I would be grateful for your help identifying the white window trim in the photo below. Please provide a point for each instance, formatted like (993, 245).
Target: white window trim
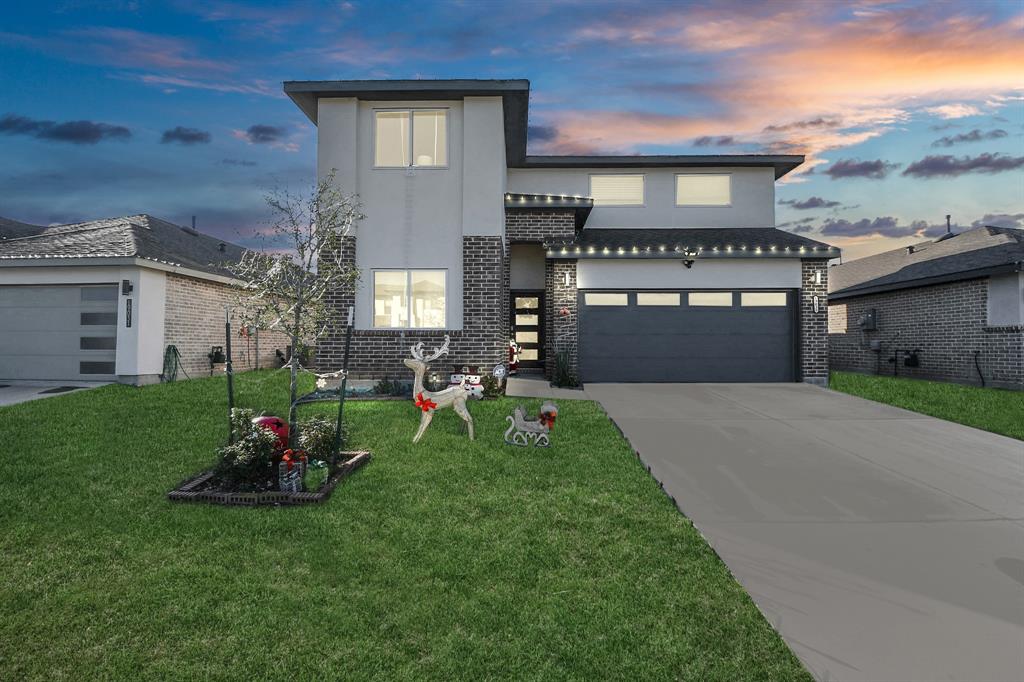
(643, 185)
(408, 296)
(412, 164)
(675, 190)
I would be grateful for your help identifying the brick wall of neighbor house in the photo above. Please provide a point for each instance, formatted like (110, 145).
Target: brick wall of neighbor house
(194, 322)
(378, 354)
(814, 359)
(562, 315)
(537, 226)
(947, 322)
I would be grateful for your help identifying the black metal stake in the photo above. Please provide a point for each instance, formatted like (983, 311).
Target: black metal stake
(227, 370)
(341, 391)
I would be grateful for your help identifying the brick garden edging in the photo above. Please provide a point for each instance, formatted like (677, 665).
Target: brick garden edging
(187, 492)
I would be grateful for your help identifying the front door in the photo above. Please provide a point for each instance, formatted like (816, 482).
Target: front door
(528, 327)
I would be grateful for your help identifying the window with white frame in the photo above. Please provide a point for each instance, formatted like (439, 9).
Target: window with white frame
(616, 189)
(411, 137)
(409, 299)
(704, 189)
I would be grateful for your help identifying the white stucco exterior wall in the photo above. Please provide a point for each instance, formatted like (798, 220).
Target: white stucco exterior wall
(139, 347)
(753, 196)
(416, 217)
(782, 273)
(483, 167)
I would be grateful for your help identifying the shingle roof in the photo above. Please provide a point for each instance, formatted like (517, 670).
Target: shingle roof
(731, 242)
(13, 228)
(974, 253)
(137, 236)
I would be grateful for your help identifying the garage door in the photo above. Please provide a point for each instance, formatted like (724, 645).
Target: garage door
(60, 333)
(687, 336)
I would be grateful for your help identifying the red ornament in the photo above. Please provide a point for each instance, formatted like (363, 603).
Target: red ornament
(548, 419)
(275, 424)
(564, 312)
(425, 404)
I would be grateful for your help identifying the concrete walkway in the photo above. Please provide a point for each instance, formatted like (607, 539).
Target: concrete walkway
(882, 544)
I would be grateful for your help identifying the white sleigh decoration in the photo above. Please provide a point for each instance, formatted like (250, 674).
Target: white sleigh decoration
(522, 431)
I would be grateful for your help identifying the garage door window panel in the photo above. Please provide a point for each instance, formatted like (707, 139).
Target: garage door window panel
(654, 298)
(98, 319)
(606, 299)
(763, 299)
(709, 299)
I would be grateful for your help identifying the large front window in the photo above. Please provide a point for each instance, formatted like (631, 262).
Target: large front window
(409, 299)
(411, 137)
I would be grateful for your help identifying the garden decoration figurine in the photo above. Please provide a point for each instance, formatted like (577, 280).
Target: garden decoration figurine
(522, 431)
(291, 470)
(469, 378)
(431, 401)
(275, 424)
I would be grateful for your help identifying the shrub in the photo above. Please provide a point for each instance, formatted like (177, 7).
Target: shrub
(316, 437)
(493, 387)
(563, 374)
(247, 464)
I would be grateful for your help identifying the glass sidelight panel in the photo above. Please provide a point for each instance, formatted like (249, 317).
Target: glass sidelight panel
(527, 302)
(527, 320)
(526, 337)
(528, 354)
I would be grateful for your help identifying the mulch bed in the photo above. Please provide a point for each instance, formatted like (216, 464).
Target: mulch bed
(196, 489)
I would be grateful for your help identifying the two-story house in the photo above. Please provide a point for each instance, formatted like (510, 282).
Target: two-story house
(634, 268)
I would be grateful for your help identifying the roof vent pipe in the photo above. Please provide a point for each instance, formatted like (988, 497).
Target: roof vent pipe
(193, 222)
(949, 228)
(221, 247)
(910, 249)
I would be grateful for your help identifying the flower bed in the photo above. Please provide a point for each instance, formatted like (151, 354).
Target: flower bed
(200, 489)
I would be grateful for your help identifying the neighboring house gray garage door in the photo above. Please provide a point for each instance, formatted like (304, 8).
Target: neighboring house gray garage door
(687, 336)
(60, 333)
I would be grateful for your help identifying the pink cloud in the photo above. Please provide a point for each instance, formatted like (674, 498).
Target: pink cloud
(776, 66)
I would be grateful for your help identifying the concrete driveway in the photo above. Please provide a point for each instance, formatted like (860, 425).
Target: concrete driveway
(882, 544)
(14, 392)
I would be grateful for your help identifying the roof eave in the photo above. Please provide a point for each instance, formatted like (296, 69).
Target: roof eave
(782, 164)
(851, 292)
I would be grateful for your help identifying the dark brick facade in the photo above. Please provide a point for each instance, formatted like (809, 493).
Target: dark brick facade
(378, 354)
(562, 315)
(948, 323)
(814, 325)
(537, 226)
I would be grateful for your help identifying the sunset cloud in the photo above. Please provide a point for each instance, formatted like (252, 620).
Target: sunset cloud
(975, 135)
(951, 166)
(75, 132)
(796, 80)
(855, 168)
(807, 204)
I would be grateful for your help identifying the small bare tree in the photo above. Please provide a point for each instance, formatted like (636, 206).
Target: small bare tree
(286, 284)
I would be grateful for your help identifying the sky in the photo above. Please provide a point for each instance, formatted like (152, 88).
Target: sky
(906, 111)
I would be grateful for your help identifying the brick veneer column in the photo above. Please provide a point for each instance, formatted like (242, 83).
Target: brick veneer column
(814, 325)
(330, 349)
(562, 329)
(484, 302)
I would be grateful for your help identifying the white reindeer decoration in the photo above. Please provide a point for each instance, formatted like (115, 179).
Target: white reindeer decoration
(431, 401)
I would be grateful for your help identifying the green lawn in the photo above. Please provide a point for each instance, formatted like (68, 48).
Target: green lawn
(445, 560)
(990, 409)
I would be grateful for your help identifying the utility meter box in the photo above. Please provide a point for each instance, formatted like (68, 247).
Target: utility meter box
(869, 320)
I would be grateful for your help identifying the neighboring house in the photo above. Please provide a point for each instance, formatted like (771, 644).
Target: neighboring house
(955, 304)
(102, 300)
(637, 268)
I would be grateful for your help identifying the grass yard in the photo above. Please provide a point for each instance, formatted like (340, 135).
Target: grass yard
(989, 409)
(445, 560)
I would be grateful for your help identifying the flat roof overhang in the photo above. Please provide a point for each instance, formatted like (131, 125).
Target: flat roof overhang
(782, 163)
(515, 96)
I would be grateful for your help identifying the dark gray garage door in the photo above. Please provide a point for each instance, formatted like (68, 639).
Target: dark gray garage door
(687, 336)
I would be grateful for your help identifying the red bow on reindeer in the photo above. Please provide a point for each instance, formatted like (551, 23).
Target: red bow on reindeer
(547, 419)
(425, 404)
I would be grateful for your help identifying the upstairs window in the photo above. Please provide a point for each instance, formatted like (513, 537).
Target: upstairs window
(411, 137)
(704, 189)
(617, 190)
